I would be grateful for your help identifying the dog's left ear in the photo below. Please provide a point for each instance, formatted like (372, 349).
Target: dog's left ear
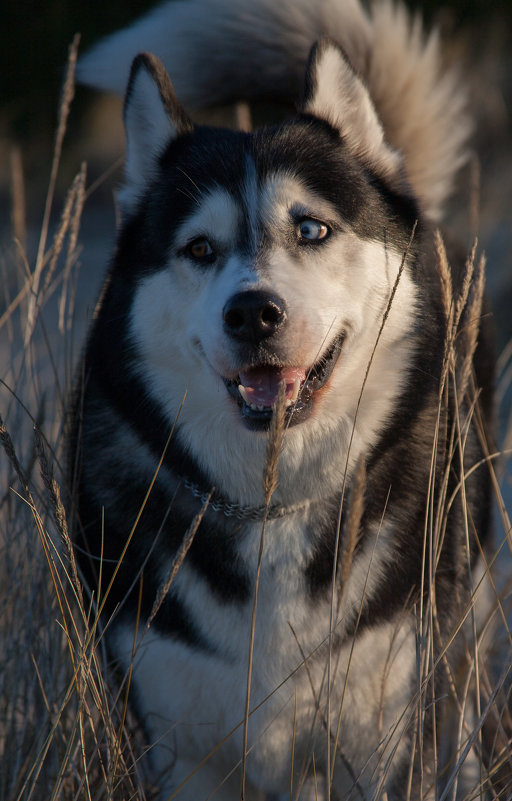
(335, 93)
(152, 119)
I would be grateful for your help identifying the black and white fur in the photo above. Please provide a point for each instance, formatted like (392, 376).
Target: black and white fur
(307, 250)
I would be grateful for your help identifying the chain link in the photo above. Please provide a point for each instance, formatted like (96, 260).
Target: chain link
(237, 510)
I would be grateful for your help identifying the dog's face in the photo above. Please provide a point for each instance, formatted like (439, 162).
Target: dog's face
(268, 258)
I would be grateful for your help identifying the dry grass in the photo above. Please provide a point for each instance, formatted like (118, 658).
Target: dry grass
(66, 731)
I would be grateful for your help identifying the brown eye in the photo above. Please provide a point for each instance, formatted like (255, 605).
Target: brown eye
(200, 250)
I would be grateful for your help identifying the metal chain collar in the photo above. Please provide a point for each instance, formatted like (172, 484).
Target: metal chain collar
(238, 511)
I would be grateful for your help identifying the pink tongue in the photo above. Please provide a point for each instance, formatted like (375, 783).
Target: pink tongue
(262, 383)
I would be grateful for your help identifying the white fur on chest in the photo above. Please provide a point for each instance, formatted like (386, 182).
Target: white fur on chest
(192, 699)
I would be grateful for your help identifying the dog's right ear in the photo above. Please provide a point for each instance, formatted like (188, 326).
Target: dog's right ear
(152, 119)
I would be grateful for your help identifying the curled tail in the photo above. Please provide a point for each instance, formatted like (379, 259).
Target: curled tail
(224, 51)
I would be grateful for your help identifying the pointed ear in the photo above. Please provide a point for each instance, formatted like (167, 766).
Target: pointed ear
(152, 119)
(335, 93)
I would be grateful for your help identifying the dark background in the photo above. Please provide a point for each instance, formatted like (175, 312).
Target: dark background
(34, 38)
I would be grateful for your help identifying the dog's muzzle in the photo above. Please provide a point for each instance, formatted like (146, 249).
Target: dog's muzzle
(251, 319)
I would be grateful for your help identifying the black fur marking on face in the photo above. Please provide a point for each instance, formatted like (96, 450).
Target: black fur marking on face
(205, 159)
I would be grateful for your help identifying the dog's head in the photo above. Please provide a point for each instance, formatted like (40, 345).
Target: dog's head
(277, 256)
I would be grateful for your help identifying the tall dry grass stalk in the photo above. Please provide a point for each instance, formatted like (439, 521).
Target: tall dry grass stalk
(270, 479)
(68, 93)
(66, 728)
(65, 731)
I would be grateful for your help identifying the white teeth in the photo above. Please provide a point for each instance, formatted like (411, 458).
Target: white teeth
(244, 394)
(295, 393)
(289, 401)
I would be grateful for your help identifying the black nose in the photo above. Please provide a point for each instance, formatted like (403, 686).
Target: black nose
(253, 315)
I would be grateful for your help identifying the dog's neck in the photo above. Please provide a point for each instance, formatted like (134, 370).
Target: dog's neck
(211, 499)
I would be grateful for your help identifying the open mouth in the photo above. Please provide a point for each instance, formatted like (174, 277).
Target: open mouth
(255, 390)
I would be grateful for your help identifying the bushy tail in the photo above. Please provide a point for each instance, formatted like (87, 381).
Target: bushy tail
(223, 51)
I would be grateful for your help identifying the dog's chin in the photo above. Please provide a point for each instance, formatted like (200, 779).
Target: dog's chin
(255, 389)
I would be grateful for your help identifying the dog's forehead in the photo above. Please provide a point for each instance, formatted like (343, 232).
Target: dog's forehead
(284, 193)
(238, 161)
(242, 206)
(246, 191)
(255, 178)
(217, 211)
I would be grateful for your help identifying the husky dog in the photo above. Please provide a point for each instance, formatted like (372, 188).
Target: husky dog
(295, 626)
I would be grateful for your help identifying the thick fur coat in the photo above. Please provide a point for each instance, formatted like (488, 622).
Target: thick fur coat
(296, 268)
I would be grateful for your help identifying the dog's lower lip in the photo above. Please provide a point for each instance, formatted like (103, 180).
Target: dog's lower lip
(300, 405)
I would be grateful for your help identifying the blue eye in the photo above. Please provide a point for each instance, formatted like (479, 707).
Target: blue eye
(312, 230)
